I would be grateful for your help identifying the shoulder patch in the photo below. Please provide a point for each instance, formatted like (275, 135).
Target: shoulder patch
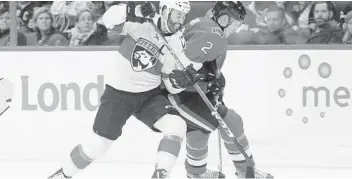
(217, 30)
(194, 21)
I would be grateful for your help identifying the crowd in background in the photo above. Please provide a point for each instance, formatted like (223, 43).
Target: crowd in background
(75, 23)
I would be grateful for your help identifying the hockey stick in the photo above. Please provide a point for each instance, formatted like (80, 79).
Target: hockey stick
(219, 139)
(214, 112)
(220, 150)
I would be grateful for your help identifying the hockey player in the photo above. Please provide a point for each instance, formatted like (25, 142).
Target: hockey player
(206, 40)
(134, 90)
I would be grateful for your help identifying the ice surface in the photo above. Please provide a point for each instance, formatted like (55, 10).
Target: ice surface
(100, 170)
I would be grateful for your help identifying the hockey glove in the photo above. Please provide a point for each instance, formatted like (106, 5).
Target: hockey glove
(215, 90)
(148, 9)
(216, 86)
(184, 78)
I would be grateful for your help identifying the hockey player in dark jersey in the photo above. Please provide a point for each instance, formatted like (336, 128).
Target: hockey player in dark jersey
(206, 43)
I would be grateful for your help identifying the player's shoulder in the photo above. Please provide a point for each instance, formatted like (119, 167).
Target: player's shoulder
(178, 41)
(207, 22)
(202, 22)
(205, 28)
(178, 37)
(178, 33)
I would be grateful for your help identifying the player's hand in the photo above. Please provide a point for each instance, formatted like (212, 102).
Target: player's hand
(216, 86)
(215, 90)
(184, 78)
(148, 9)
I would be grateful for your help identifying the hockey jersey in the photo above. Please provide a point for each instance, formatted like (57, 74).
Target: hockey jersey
(140, 58)
(205, 42)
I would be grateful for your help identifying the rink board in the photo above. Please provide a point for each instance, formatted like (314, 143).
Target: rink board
(308, 124)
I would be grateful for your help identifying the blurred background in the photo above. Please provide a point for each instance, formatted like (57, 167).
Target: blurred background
(74, 23)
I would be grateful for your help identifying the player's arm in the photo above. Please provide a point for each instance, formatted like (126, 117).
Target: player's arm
(172, 74)
(169, 86)
(169, 66)
(178, 80)
(175, 78)
(115, 19)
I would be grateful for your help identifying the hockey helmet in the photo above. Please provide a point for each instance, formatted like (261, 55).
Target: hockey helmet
(233, 9)
(183, 6)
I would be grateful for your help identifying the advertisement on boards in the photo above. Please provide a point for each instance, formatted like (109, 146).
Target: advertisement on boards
(55, 99)
(288, 99)
(296, 104)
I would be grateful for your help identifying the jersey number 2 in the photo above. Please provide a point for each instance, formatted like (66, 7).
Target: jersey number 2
(207, 47)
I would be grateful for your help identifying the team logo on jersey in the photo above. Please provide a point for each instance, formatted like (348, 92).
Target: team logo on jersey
(218, 31)
(144, 55)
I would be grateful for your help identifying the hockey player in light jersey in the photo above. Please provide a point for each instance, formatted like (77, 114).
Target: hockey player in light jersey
(134, 90)
(206, 42)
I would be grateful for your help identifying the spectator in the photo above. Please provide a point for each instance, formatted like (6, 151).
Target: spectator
(288, 15)
(5, 23)
(46, 4)
(347, 7)
(99, 8)
(259, 8)
(47, 35)
(25, 13)
(347, 38)
(70, 8)
(65, 12)
(304, 17)
(300, 13)
(324, 28)
(87, 31)
(3, 5)
(278, 30)
(344, 11)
